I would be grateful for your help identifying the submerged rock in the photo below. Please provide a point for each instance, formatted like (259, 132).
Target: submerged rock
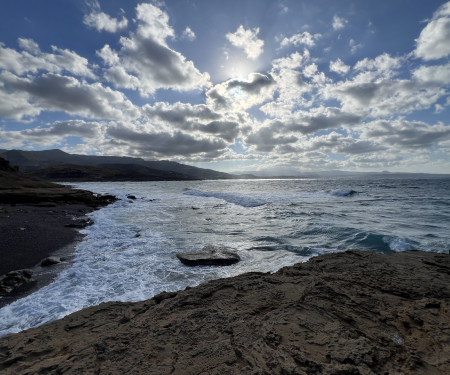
(210, 255)
(14, 279)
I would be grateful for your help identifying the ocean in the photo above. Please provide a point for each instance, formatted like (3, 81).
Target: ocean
(129, 254)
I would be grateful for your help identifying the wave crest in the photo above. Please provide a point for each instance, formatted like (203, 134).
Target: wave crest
(238, 199)
(343, 192)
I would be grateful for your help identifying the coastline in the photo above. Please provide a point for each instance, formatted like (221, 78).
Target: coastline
(39, 219)
(32, 233)
(353, 312)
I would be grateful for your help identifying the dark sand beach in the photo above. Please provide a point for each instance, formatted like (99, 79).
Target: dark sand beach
(39, 219)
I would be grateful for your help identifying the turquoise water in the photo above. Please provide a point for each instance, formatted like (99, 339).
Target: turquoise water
(129, 253)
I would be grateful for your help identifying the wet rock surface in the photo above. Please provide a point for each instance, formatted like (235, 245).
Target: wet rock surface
(344, 313)
(210, 255)
(14, 279)
(50, 261)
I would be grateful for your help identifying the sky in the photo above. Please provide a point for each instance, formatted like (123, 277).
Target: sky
(248, 85)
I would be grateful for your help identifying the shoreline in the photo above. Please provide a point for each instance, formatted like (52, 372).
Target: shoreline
(38, 219)
(351, 312)
(31, 234)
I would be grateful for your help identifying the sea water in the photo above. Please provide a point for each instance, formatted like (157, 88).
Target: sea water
(129, 254)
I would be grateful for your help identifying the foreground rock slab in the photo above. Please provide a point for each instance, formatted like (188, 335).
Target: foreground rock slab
(345, 313)
(210, 255)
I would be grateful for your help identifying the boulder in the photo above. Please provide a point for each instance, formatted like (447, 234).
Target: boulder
(210, 255)
(80, 223)
(14, 279)
(50, 261)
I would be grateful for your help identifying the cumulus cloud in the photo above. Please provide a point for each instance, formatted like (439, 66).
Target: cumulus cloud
(179, 113)
(53, 134)
(236, 94)
(247, 40)
(433, 42)
(109, 56)
(339, 22)
(103, 22)
(16, 105)
(354, 46)
(339, 67)
(438, 74)
(297, 81)
(302, 38)
(145, 62)
(289, 130)
(321, 118)
(382, 66)
(384, 98)
(376, 90)
(266, 139)
(189, 34)
(406, 134)
(192, 118)
(32, 60)
(163, 144)
(339, 143)
(61, 93)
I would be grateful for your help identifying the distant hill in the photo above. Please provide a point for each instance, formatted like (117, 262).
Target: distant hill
(58, 165)
(105, 172)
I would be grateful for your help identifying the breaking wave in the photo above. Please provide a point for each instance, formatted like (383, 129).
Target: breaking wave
(238, 199)
(343, 193)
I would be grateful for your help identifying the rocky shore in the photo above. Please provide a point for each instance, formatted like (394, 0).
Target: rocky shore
(38, 219)
(344, 313)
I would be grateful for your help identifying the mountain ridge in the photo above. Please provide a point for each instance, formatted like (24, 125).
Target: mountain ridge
(58, 165)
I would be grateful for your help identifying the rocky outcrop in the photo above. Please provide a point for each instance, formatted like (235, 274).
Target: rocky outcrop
(14, 279)
(80, 223)
(50, 261)
(345, 313)
(210, 255)
(6, 167)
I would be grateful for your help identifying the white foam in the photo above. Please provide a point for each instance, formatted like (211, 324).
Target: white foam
(398, 243)
(239, 199)
(113, 264)
(259, 199)
(342, 192)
